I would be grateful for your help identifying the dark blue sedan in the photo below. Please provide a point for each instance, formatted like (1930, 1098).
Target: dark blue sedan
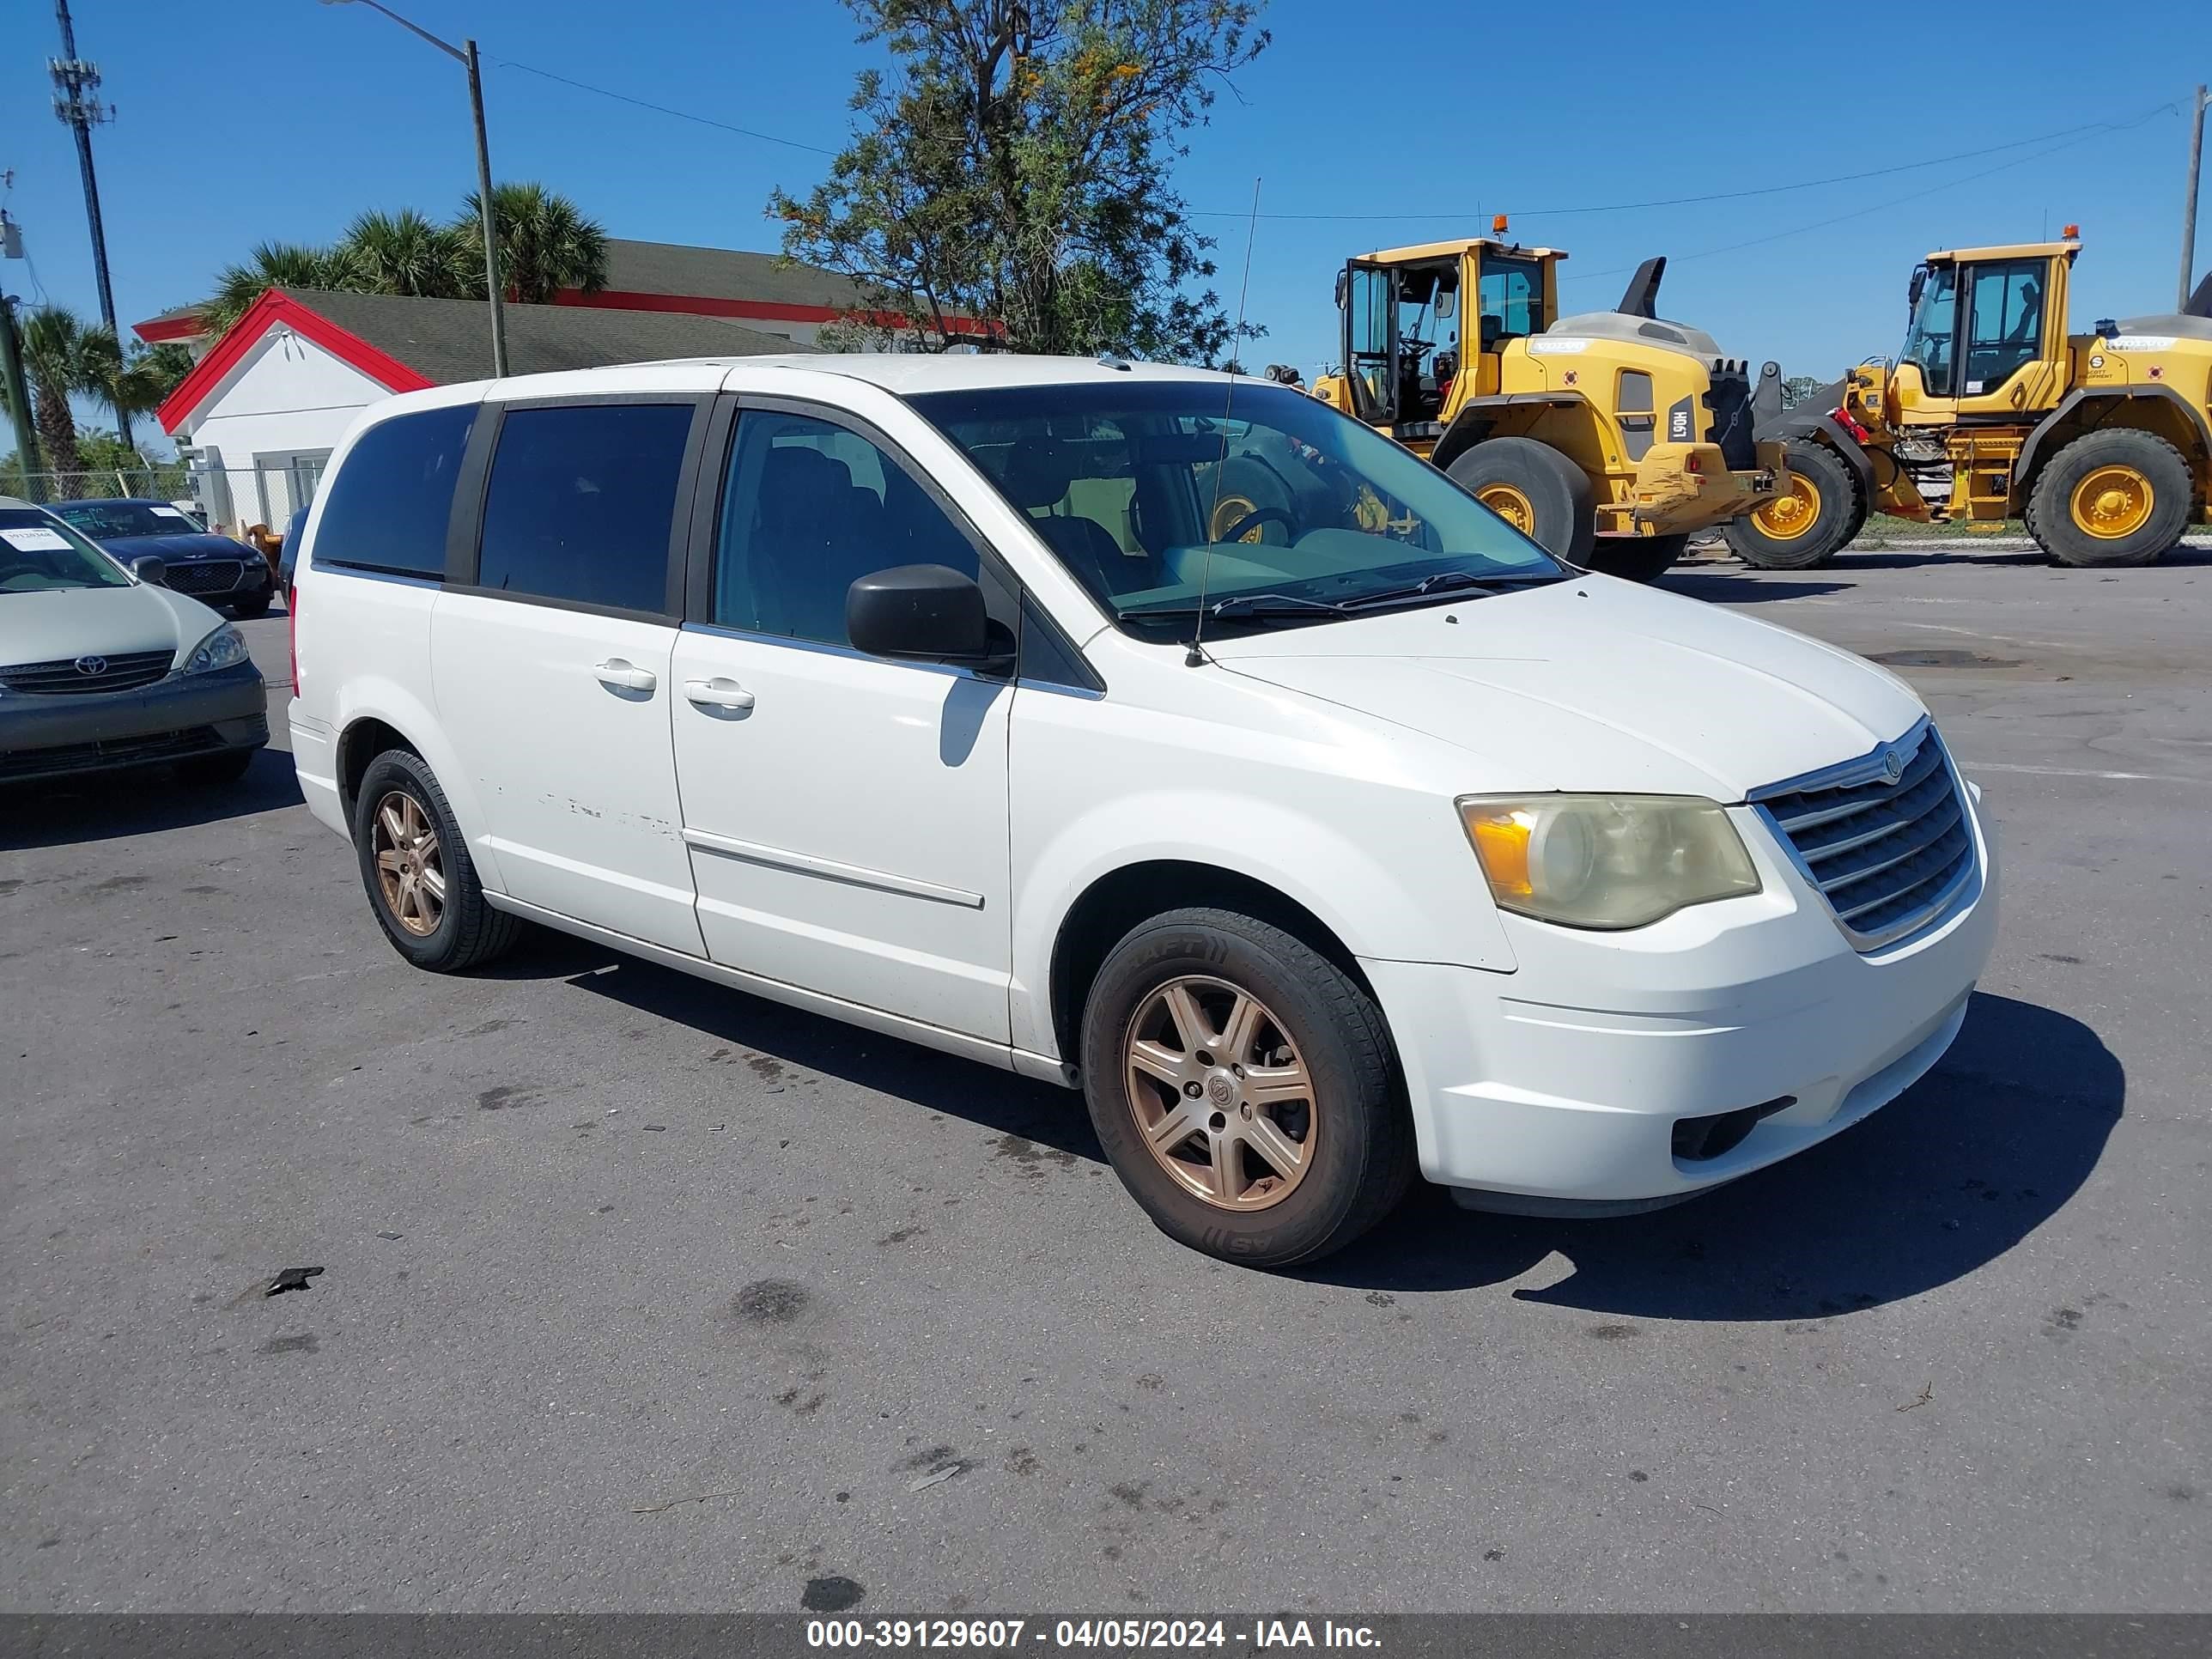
(212, 568)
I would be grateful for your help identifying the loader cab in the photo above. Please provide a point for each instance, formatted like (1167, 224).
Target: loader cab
(1413, 346)
(1987, 335)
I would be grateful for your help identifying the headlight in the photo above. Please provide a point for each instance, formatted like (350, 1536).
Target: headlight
(1610, 862)
(224, 648)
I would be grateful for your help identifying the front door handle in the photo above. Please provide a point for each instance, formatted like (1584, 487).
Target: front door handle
(718, 693)
(627, 675)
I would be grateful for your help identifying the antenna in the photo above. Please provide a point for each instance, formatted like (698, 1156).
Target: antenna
(1195, 657)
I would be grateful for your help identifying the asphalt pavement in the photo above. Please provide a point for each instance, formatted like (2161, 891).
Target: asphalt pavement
(640, 1294)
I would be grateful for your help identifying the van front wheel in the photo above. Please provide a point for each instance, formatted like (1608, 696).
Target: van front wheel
(1242, 1085)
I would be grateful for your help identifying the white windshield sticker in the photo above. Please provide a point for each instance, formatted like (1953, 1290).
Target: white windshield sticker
(36, 539)
(172, 512)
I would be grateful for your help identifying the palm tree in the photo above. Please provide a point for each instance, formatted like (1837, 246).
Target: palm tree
(62, 355)
(406, 253)
(545, 242)
(274, 265)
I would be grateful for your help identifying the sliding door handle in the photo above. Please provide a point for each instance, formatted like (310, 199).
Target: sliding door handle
(627, 675)
(718, 693)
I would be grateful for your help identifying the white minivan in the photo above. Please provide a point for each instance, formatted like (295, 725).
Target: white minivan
(1159, 734)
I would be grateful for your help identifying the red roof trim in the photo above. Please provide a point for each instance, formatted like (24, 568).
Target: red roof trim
(275, 307)
(754, 310)
(155, 329)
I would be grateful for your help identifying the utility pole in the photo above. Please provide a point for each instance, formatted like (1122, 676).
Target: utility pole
(11, 355)
(76, 84)
(2189, 196)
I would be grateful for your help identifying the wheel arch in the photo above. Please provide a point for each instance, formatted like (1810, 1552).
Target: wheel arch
(1828, 432)
(383, 715)
(2158, 409)
(1508, 414)
(1114, 902)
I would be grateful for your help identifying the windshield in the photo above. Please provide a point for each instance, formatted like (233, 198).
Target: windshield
(1935, 320)
(1153, 497)
(39, 553)
(1512, 291)
(112, 520)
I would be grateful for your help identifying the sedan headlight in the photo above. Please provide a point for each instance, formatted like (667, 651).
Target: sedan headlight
(1609, 861)
(224, 648)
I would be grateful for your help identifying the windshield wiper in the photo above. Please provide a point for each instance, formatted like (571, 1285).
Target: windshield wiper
(1244, 607)
(1449, 581)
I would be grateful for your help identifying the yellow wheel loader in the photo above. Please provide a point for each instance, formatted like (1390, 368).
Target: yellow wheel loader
(2100, 441)
(1608, 437)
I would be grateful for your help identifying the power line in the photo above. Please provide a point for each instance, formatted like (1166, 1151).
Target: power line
(663, 109)
(2088, 130)
(1883, 207)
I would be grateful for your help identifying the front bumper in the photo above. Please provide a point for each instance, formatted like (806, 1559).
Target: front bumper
(1557, 1088)
(221, 582)
(173, 718)
(1682, 487)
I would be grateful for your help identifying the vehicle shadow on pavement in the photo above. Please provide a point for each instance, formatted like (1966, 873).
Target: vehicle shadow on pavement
(1911, 558)
(1947, 1177)
(1052, 1117)
(112, 804)
(1733, 585)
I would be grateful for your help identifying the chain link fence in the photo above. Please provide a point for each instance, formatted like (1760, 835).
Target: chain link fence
(253, 502)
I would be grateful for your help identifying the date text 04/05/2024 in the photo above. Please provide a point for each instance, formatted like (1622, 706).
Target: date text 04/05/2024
(1122, 1634)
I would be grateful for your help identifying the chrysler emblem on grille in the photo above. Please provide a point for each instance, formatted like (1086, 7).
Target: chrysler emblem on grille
(91, 666)
(1892, 764)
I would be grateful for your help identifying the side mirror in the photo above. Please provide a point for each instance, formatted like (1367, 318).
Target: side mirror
(921, 613)
(1342, 277)
(1447, 302)
(1912, 290)
(153, 572)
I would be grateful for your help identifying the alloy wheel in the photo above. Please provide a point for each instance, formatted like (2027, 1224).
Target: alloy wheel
(409, 873)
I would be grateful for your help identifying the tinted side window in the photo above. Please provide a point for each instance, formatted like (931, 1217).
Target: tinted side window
(2008, 323)
(809, 509)
(387, 507)
(580, 503)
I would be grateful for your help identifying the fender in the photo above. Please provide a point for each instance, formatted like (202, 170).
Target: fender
(1361, 899)
(1478, 415)
(2031, 451)
(1824, 429)
(374, 697)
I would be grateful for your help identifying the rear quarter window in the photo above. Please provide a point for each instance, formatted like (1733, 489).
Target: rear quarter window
(387, 507)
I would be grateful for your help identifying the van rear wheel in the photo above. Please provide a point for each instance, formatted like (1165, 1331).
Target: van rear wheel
(1243, 1087)
(415, 865)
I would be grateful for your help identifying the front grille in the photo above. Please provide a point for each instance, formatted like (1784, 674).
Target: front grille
(124, 671)
(211, 576)
(1888, 855)
(115, 751)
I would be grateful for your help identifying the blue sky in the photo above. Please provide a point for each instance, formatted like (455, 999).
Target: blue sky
(278, 119)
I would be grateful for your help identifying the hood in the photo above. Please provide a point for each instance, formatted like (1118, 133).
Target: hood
(180, 548)
(1596, 684)
(48, 625)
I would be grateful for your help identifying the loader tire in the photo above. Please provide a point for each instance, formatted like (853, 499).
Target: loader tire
(1536, 489)
(1811, 522)
(2119, 497)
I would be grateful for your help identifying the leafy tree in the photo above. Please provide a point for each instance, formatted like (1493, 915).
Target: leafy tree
(1015, 167)
(545, 243)
(275, 265)
(1795, 388)
(407, 252)
(63, 355)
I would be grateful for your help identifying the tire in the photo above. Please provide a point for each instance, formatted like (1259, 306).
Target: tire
(2070, 493)
(1248, 485)
(1637, 558)
(209, 771)
(1519, 478)
(1348, 1140)
(1812, 523)
(247, 609)
(464, 932)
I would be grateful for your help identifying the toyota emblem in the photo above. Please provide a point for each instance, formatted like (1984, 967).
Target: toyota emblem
(1893, 765)
(91, 667)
